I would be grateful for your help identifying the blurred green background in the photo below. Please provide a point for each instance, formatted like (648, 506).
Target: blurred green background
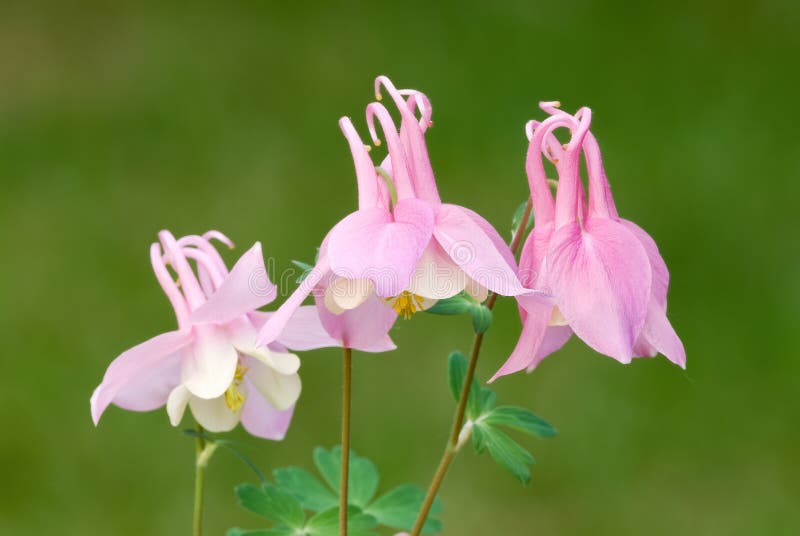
(119, 120)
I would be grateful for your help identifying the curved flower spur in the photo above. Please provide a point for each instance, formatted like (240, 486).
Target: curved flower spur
(211, 362)
(607, 278)
(410, 251)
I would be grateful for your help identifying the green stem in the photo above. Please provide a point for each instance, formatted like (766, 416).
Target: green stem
(347, 366)
(453, 443)
(203, 452)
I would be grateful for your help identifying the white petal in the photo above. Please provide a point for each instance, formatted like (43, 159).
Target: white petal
(476, 290)
(209, 365)
(242, 333)
(280, 390)
(244, 336)
(214, 415)
(350, 293)
(427, 303)
(330, 302)
(437, 276)
(176, 404)
(281, 362)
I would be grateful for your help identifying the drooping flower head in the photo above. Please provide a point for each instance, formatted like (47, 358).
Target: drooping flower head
(408, 250)
(211, 362)
(604, 275)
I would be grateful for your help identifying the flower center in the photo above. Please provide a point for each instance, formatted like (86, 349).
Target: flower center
(234, 398)
(406, 304)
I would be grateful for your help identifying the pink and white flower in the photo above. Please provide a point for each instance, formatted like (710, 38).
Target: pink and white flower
(211, 363)
(604, 275)
(406, 252)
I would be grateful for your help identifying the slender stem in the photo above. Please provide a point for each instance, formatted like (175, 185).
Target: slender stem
(453, 443)
(347, 366)
(199, 475)
(516, 240)
(458, 421)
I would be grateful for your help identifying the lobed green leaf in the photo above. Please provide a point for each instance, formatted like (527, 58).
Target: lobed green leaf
(399, 508)
(271, 503)
(274, 531)
(520, 419)
(363, 474)
(303, 486)
(457, 369)
(327, 523)
(506, 452)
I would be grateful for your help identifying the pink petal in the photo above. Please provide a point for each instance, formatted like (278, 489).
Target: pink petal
(534, 325)
(658, 336)
(531, 260)
(660, 282)
(554, 339)
(474, 251)
(364, 328)
(246, 287)
(368, 244)
(261, 419)
(273, 328)
(303, 331)
(139, 370)
(601, 279)
(489, 230)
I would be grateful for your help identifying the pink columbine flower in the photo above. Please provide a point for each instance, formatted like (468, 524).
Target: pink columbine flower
(409, 252)
(211, 363)
(605, 276)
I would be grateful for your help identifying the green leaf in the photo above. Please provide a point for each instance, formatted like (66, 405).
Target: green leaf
(363, 474)
(479, 397)
(481, 318)
(478, 439)
(328, 466)
(274, 531)
(457, 371)
(520, 419)
(271, 503)
(399, 509)
(474, 402)
(505, 451)
(488, 400)
(312, 494)
(363, 480)
(327, 523)
(517, 219)
(456, 305)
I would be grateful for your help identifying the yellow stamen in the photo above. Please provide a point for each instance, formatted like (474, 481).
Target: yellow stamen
(234, 398)
(406, 304)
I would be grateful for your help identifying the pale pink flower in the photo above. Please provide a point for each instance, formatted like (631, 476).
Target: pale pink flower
(211, 363)
(604, 275)
(404, 254)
